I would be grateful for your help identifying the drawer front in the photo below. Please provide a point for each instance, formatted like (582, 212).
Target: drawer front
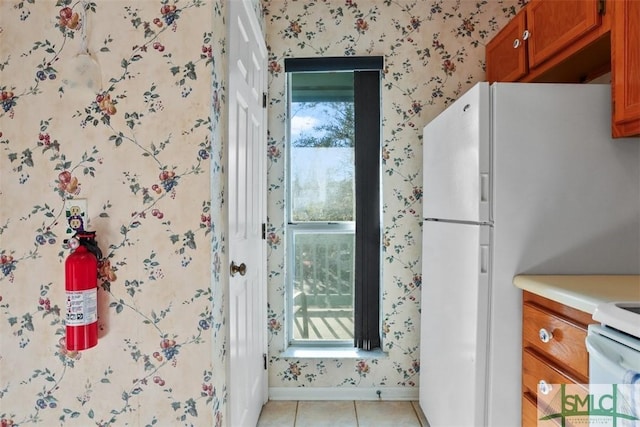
(535, 370)
(529, 412)
(565, 341)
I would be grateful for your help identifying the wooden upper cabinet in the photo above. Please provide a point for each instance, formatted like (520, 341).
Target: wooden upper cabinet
(506, 54)
(574, 41)
(554, 25)
(625, 75)
(560, 41)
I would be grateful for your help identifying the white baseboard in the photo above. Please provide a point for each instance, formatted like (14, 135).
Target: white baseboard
(343, 393)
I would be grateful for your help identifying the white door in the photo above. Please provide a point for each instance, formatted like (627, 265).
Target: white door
(247, 204)
(454, 323)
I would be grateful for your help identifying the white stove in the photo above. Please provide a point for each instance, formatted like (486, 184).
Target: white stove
(623, 316)
(614, 345)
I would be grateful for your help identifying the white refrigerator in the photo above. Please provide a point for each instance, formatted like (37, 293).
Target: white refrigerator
(519, 178)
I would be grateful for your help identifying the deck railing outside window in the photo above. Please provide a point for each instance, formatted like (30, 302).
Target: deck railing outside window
(323, 285)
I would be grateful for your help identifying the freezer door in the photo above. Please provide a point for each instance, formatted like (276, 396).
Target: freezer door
(456, 180)
(454, 321)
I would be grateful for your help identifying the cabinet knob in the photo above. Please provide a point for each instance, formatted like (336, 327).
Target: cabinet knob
(545, 336)
(526, 35)
(516, 43)
(544, 387)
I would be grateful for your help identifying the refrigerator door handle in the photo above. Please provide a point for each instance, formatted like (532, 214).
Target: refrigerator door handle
(484, 259)
(484, 187)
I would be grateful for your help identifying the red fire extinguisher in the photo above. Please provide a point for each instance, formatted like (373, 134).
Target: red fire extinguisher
(81, 285)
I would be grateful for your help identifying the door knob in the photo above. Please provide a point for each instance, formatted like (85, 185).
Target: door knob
(242, 269)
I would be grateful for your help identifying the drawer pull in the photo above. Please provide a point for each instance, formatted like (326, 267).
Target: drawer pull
(544, 387)
(545, 336)
(516, 43)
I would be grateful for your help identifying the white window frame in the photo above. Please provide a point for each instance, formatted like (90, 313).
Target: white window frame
(364, 329)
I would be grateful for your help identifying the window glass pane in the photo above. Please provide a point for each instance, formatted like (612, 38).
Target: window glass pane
(322, 179)
(322, 184)
(323, 285)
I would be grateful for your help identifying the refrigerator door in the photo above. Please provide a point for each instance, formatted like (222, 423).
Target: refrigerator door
(456, 180)
(454, 321)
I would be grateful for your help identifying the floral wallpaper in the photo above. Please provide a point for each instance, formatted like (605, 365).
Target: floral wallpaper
(120, 103)
(434, 51)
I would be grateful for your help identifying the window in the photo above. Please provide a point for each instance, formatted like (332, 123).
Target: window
(333, 202)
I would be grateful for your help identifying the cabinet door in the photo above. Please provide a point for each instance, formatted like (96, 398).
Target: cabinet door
(555, 24)
(626, 68)
(506, 53)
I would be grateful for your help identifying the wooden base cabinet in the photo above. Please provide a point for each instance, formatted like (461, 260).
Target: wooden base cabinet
(553, 350)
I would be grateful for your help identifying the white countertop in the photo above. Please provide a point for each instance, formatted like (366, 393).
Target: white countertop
(582, 292)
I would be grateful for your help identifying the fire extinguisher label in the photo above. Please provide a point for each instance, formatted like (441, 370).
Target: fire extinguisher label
(82, 307)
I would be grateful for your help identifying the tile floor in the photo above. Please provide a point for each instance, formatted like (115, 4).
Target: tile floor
(341, 413)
